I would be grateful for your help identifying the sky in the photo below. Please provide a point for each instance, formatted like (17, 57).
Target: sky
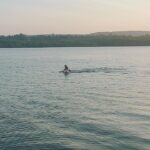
(73, 16)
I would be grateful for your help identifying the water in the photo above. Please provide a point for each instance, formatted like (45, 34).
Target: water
(104, 104)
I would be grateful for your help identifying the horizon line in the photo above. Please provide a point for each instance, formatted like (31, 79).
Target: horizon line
(116, 31)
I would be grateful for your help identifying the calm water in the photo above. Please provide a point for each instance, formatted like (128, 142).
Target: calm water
(103, 105)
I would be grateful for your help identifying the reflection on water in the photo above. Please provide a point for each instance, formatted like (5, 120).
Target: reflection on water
(103, 104)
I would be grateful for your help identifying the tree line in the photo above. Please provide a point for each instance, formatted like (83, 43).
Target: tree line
(22, 41)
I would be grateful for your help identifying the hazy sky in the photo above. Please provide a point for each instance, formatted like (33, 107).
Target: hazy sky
(73, 16)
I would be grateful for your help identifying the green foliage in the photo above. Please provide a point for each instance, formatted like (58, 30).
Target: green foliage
(72, 41)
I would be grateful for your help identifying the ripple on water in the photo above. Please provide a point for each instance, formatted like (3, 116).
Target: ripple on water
(103, 104)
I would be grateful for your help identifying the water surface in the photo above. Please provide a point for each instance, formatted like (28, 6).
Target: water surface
(104, 104)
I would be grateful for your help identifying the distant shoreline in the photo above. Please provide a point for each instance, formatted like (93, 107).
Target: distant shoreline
(102, 39)
(70, 47)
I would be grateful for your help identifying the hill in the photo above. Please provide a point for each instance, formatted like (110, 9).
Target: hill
(124, 33)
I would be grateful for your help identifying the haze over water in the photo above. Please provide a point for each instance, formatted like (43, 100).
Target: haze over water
(104, 104)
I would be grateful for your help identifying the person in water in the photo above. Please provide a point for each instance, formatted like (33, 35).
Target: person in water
(66, 68)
